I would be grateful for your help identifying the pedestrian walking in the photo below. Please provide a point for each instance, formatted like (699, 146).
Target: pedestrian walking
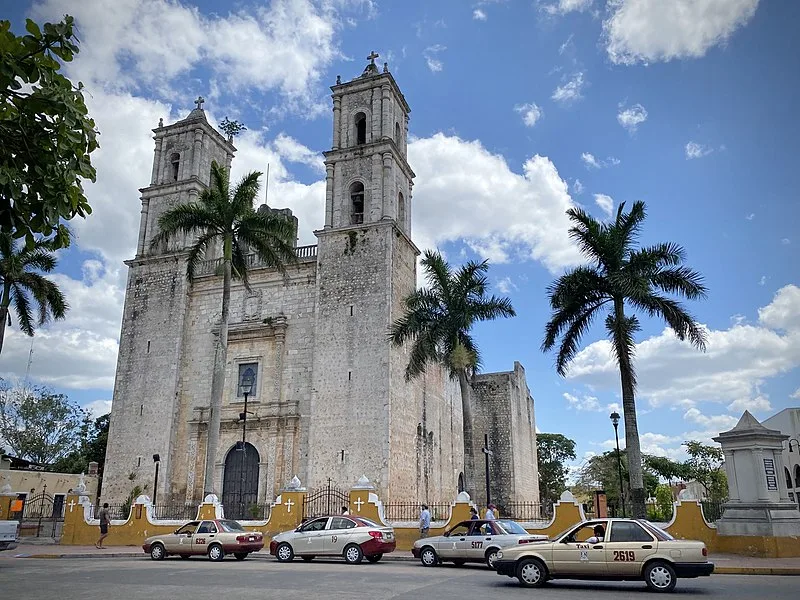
(105, 521)
(473, 513)
(345, 511)
(491, 512)
(424, 521)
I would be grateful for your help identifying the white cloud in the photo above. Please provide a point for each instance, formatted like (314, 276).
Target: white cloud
(643, 31)
(751, 216)
(606, 203)
(796, 394)
(431, 57)
(786, 241)
(695, 150)
(98, 408)
(567, 44)
(577, 187)
(457, 179)
(505, 285)
(562, 7)
(763, 280)
(570, 91)
(631, 118)
(714, 422)
(758, 404)
(670, 372)
(589, 403)
(592, 162)
(479, 15)
(531, 113)
(656, 444)
(293, 151)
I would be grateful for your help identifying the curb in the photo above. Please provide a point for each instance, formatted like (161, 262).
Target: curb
(757, 571)
(142, 555)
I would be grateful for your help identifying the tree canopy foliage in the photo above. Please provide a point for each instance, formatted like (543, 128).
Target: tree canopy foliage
(39, 425)
(553, 450)
(92, 448)
(46, 134)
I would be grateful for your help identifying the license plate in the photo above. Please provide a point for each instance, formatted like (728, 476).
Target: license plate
(252, 539)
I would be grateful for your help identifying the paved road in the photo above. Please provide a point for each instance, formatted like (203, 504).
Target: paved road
(198, 579)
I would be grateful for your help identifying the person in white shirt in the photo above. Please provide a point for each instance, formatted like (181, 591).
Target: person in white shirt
(599, 535)
(491, 513)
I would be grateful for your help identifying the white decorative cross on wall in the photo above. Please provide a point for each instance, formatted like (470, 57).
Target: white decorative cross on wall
(289, 504)
(71, 505)
(359, 503)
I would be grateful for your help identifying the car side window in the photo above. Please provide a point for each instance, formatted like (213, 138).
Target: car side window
(459, 530)
(583, 533)
(342, 523)
(624, 531)
(315, 525)
(188, 528)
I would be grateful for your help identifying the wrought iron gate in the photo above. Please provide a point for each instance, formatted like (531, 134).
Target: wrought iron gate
(45, 513)
(240, 483)
(325, 501)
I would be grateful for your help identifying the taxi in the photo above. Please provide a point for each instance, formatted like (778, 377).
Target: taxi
(609, 549)
(213, 538)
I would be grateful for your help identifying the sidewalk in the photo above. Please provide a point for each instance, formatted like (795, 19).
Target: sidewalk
(725, 564)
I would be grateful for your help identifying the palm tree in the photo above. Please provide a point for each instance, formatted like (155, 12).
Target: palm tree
(228, 217)
(438, 320)
(23, 286)
(618, 275)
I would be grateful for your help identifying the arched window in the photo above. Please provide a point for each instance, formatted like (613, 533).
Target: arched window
(361, 128)
(788, 478)
(397, 138)
(174, 161)
(460, 482)
(401, 210)
(357, 203)
(797, 476)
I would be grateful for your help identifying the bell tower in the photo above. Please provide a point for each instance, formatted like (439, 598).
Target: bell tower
(361, 405)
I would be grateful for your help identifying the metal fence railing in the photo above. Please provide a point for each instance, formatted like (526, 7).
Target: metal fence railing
(526, 511)
(712, 510)
(115, 511)
(179, 512)
(409, 511)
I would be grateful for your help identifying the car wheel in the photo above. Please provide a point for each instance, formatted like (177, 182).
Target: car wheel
(375, 558)
(353, 554)
(459, 562)
(240, 555)
(284, 552)
(491, 556)
(157, 551)
(660, 576)
(184, 556)
(215, 552)
(531, 572)
(308, 557)
(428, 557)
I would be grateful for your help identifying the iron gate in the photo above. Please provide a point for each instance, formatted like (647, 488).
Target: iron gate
(45, 513)
(325, 501)
(240, 483)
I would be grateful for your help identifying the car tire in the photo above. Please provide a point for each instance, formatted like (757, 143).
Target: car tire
(374, 558)
(428, 557)
(308, 557)
(660, 576)
(353, 554)
(157, 551)
(284, 552)
(490, 556)
(459, 562)
(241, 555)
(215, 553)
(531, 572)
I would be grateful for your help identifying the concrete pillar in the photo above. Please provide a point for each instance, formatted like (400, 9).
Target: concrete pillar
(337, 122)
(329, 170)
(386, 112)
(197, 151)
(156, 175)
(758, 468)
(733, 485)
(143, 227)
(388, 187)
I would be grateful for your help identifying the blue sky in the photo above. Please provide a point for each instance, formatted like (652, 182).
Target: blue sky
(519, 111)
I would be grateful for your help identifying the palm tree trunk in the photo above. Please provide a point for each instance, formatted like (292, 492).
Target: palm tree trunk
(466, 413)
(4, 303)
(632, 447)
(218, 377)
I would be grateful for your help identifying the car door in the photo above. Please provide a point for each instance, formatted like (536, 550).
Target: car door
(574, 555)
(180, 542)
(478, 540)
(205, 534)
(340, 532)
(628, 547)
(311, 537)
(454, 545)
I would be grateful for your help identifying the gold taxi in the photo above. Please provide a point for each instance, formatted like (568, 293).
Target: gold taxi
(213, 538)
(610, 549)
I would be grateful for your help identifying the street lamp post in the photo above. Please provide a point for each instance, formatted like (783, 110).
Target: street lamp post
(157, 461)
(615, 421)
(487, 453)
(246, 385)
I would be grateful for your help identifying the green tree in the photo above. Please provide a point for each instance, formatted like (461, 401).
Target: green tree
(553, 450)
(28, 291)
(92, 448)
(600, 472)
(45, 132)
(620, 275)
(227, 216)
(438, 319)
(705, 466)
(666, 468)
(39, 425)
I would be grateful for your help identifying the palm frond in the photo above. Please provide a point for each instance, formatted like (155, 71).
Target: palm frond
(679, 320)
(186, 219)
(22, 307)
(681, 280)
(240, 269)
(197, 253)
(492, 308)
(270, 236)
(423, 351)
(437, 273)
(245, 192)
(589, 234)
(570, 341)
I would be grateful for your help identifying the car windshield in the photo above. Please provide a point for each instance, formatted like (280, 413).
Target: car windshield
(231, 526)
(512, 527)
(659, 533)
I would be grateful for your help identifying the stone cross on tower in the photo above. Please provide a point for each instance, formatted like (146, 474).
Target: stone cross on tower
(372, 56)
(199, 102)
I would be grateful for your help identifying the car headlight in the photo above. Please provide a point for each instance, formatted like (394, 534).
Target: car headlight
(499, 554)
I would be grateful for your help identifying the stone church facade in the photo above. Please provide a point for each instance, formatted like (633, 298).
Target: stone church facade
(330, 401)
